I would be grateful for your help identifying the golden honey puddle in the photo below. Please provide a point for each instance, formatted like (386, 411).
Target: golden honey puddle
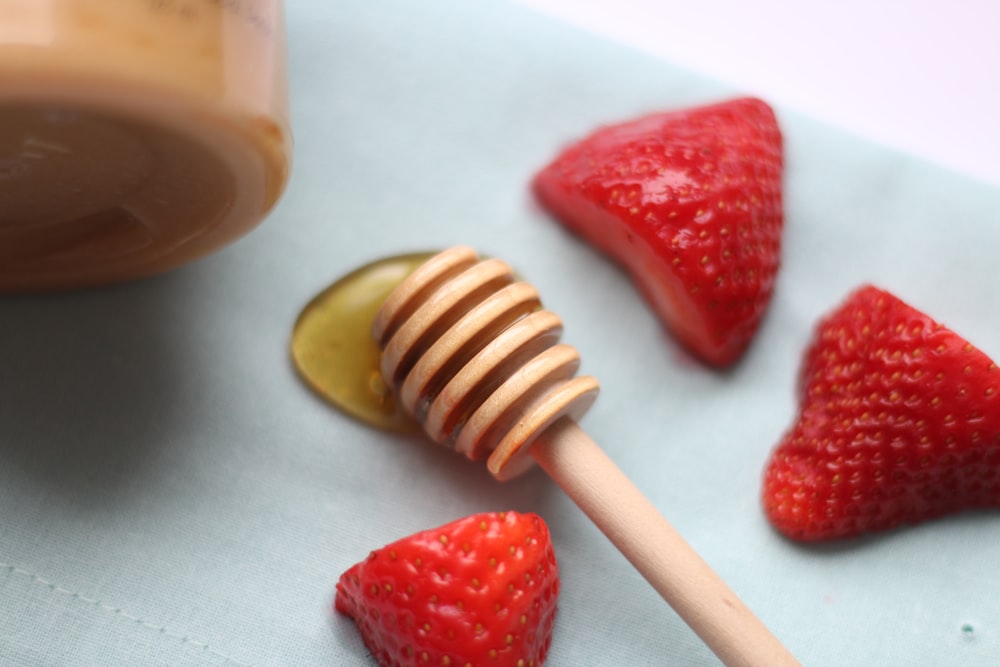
(333, 348)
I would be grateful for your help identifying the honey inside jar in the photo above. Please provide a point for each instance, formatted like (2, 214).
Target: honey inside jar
(135, 136)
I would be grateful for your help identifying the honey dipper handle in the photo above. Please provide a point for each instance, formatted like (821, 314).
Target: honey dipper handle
(656, 549)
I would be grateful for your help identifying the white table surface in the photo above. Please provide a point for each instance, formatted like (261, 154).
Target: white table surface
(919, 75)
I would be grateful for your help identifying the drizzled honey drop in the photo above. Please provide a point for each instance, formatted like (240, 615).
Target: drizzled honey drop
(333, 349)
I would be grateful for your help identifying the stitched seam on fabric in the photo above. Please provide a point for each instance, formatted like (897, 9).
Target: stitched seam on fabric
(163, 630)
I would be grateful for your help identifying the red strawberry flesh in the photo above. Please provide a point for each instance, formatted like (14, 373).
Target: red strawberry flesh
(689, 202)
(480, 590)
(899, 422)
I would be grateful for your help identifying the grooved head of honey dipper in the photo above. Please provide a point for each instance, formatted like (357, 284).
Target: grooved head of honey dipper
(414, 290)
(477, 361)
(569, 400)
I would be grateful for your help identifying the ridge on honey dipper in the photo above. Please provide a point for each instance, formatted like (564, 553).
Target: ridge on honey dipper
(476, 360)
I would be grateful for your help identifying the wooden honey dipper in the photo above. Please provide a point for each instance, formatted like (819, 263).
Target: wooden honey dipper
(475, 359)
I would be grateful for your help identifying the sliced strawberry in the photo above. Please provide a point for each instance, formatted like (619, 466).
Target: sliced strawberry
(478, 591)
(690, 204)
(899, 422)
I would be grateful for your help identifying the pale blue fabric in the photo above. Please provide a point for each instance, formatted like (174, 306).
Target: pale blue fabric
(170, 494)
